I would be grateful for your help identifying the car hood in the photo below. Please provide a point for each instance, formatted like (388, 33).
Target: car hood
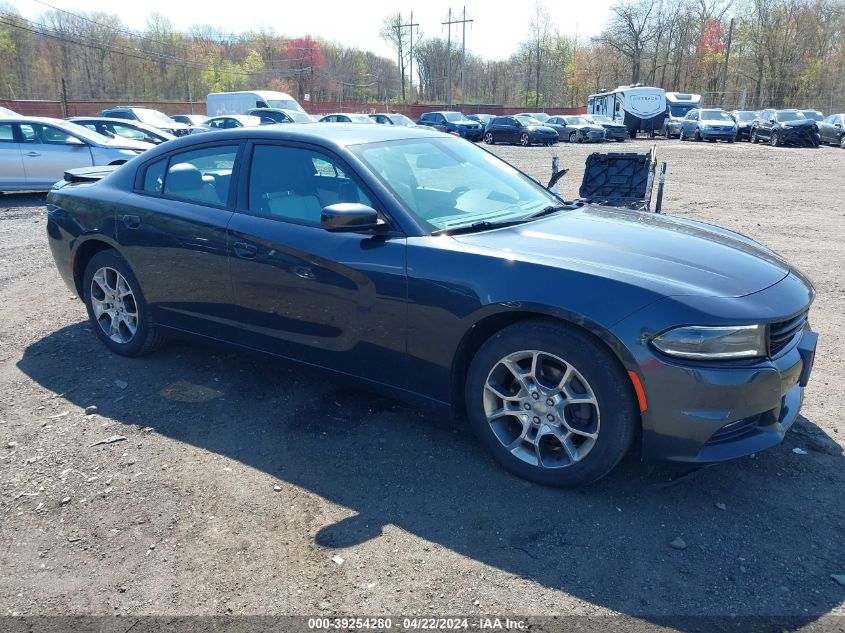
(668, 255)
(540, 128)
(717, 122)
(120, 142)
(799, 124)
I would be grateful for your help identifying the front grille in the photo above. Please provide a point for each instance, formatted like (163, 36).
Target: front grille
(735, 430)
(781, 334)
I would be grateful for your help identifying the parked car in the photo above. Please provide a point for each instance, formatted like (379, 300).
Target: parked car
(815, 115)
(148, 116)
(346, 117)
(232, 121)
(6, 112)
(613, 131)
(280, 115)
(832, 130)
(483, 119)
(785, 127)
(190, 119)
(542, 117)
(519, 129)
(453, 123)
(36, 151)
(744, 120)
(127, 129)
(567, 332)
(708, 124)
(392, 118)
(577, 129)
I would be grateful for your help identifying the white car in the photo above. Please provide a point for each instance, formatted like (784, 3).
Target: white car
(4, 112)
(36, 151)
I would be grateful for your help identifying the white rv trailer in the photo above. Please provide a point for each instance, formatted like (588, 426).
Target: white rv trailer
(639, 108)
(218, 103)
(677, 106)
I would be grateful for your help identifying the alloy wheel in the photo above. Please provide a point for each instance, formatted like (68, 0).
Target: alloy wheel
(488, 138)
(541, 409)
(842, 141)
(572, 137)
(524, 139)
(114, 306)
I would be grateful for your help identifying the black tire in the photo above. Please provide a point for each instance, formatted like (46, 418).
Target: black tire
(147, 337)
(489, 138)
(681, 135)
(842, 142)
(774, 139)
(619, 413)
(525, 139)
(697, 136)
(753, 138)
(573, 137)
(731, 140)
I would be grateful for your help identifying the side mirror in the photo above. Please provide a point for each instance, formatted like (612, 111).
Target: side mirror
(349, 217)
(772, 121)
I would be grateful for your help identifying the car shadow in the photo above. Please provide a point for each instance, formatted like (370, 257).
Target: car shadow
(23, 199)
(760, 535)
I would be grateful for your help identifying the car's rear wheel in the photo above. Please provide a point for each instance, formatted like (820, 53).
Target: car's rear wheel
(117, 308)
(488, 138)
(551, 404)
(525, 139)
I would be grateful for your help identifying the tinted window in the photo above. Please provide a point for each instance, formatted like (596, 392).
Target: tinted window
(294, 184)
(127, 132)
(6, 133)
(201, 175)
(43, 134)
(154, 176)
(119, 115)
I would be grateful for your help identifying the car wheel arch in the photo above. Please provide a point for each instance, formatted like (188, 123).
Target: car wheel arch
(83, 254)
(483, 329)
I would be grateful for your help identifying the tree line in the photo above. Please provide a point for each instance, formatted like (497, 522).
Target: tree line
(751, 53)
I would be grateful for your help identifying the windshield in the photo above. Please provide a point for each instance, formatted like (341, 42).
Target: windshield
(783, 116)
(746, 116)
(153, 117)
(449, 183)
(576, 120)
(526, 119)
(456, 117)
(359, 118)
(300, 117)
(285, 104)
(402, 120)
(812, 114)
(82, 132)
(679, 110)
(716, 115)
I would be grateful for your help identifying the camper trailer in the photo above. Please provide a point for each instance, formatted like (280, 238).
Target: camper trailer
(218, 103)
(677, 106)
(639, 108)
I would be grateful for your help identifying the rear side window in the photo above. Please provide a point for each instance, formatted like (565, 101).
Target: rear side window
(154, 176)
(7, 134)
(202, 175)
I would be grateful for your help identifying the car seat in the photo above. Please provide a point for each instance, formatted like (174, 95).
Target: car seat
(186, 181)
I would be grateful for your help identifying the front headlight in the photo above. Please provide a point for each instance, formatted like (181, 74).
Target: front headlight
(713, 343)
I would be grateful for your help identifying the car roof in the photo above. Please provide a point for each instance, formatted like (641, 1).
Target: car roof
(331, 135)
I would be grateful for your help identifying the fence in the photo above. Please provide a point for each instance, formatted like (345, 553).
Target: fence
(88, 108)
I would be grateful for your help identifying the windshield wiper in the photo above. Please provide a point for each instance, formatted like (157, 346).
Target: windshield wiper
(554, 208)
(483, 225)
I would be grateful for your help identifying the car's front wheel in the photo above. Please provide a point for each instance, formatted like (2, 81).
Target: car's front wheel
(842, 141)
(573, 137)
(488, 138)
(116, 306)
(551, 404)
(774, 139)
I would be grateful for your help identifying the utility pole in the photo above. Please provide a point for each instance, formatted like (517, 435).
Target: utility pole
(410, 25)
(449, 23)
(727, 57)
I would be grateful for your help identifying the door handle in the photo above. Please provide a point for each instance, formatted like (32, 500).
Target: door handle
(33, 154)
(131, 221)
(245, 250)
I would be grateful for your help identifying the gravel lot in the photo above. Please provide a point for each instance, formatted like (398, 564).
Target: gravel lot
(240, 480)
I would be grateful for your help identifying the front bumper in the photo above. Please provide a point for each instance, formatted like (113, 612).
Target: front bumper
(706, 412)
(612, 135)
(593, 136)
(717, 134)
(470, 134)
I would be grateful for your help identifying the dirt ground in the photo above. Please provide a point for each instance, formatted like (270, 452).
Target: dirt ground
(241, 484)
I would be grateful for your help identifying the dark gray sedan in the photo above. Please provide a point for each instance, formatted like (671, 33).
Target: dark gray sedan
(576, 129)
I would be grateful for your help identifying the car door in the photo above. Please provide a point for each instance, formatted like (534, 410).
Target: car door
(766, 123)
(172, 231)
(12, 175)
(830, 129)
(48, 152)
(337, 300)
(512, 129)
